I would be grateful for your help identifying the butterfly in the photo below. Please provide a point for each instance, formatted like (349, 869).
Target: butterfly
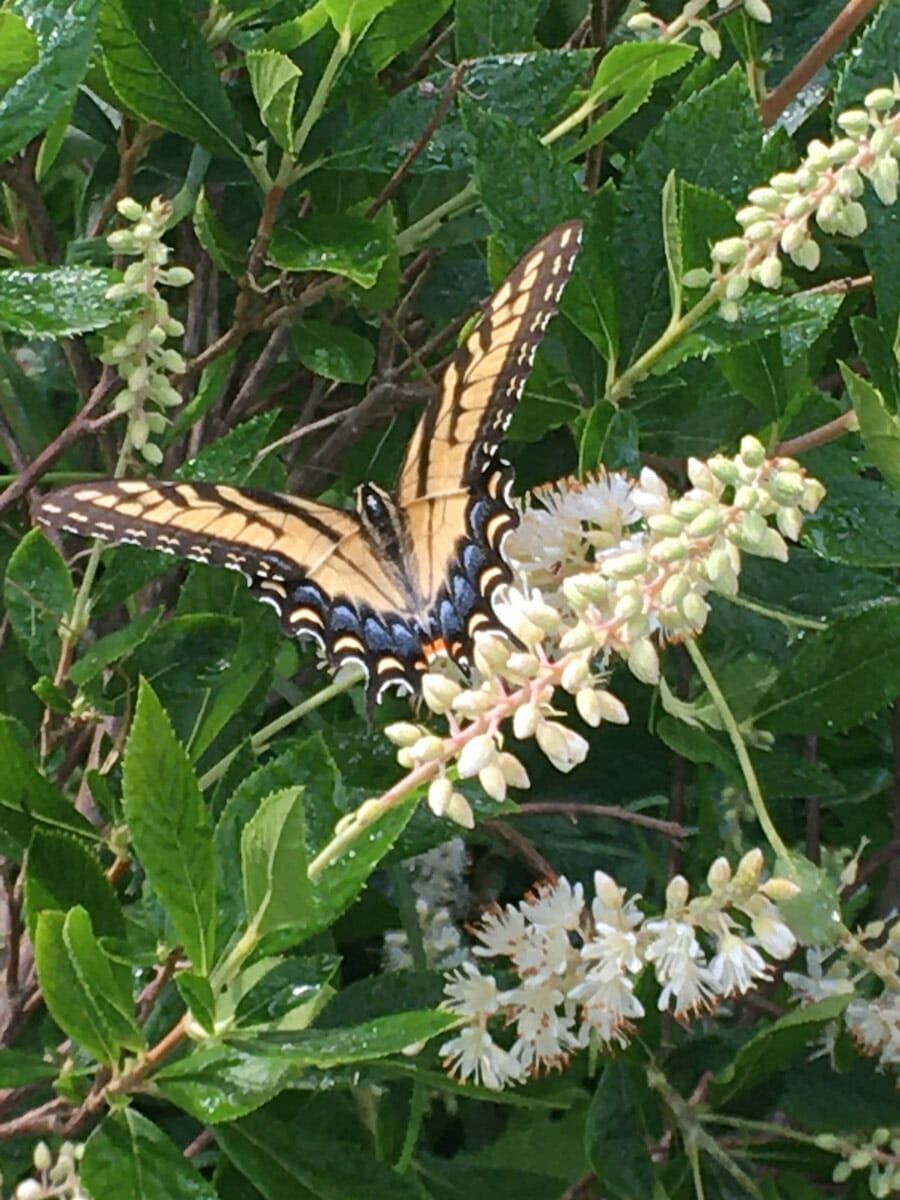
(405, 577)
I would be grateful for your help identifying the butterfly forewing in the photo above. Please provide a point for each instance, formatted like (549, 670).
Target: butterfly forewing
(388, 584)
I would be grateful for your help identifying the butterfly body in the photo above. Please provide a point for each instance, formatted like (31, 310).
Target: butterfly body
(408, 575)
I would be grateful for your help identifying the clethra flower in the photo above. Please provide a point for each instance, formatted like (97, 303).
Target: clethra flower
(575, 968)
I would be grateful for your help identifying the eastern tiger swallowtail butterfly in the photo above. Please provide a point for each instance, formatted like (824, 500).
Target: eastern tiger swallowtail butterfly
(406, 576)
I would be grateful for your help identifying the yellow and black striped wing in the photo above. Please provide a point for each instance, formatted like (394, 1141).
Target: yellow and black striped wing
(454, 486)
(310, 561)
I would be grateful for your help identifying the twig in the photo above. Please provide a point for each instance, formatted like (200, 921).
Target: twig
(452, 87)
(834, 36)
(262, 365)
(524, 847)
(130, 154)
(30, 476)
(829, 432)
(615, 812)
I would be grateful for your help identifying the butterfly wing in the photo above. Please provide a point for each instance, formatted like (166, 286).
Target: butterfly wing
(454, 486)
(307, 559)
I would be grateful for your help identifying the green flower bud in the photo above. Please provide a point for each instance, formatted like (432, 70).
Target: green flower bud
(841, 150)
(736, 287)
(729, 250)
(152, 454)
(784, 183)
(881, 99)
(706, 524)
(665, 524)
(752, 452)
(699, 277)
(130, 209)
(808, 255)
(854, 121)
(768, 272)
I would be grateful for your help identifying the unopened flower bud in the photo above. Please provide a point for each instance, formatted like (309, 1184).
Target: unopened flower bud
(854, 121)
(493, 781)
(575, 675)
(438, 691)
(718, 876)
(563, 747)
(403, 733)
(476, 755)
(643, 661)
(513, 771)
(881, 99)
(440, 791)
(695, 610)
(459, 810)
(749, 869)
(677, 892)
(729, 251)
(427, 749)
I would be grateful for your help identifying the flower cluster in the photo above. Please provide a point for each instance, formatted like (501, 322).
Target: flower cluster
(54, 1179)
(573, 969)
(438, 883)
(140, 355)
(872, 1017)
(691, 17)
(825, 186)
(604, 568)
(878, 1154)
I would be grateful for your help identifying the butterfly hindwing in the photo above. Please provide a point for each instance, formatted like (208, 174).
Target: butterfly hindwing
(454, 485)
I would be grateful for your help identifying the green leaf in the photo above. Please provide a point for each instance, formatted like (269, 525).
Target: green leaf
(86, 994)
(527, 89)
(58, 302)
(220, 1083)
(628, 71)
(399, 27)
(352, 16)
(859, 524)
(290, 984)
(840, 677)
(342, 244)
(714, 140)
(160, 66)
(814, 912)
(169, 827)
(794, 321)
(129, 1158)
(879, 427)
(112, 647)
(197, 994)
(283, 1157)
(277, 892)
(227, 250)
(187, 660)
(503, 155)
(494, 26)
(773, 1048)
(64, 31)
(38, 592)
(28, 800)
(366, 1042)
(274, 79)
(61, 872)
(332, 351)
(19, 49)
(616, 1133)
(23, 1068)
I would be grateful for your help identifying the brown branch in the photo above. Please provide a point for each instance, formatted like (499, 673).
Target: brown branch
(454, 83)
(834, 37)
(253, 381)
(385, 398)
(423, 62)
(842, 286)
(829, 432)
(523, 847)
(130, 154)
(19, 174)
(614, 812)
(30, 476)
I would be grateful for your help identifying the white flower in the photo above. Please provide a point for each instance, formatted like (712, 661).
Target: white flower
(736, 966)
(815, 984)
(557, 904)
(470, 993)
(500, 931)
(473, 1054)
